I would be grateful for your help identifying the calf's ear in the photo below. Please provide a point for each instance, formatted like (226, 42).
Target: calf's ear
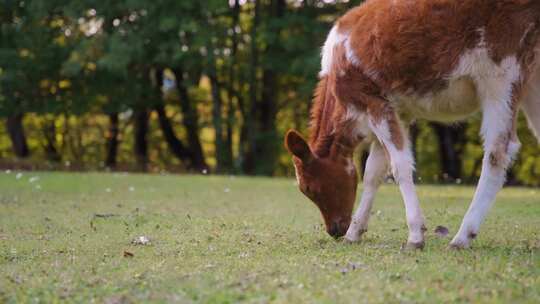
(297, 145)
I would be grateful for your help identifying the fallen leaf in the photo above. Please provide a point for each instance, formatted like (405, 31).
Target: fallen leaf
(15, 279)
(141, 240)
(128, 254)
(117, 300)
(441, 231)
(104, 215)
(350, 267)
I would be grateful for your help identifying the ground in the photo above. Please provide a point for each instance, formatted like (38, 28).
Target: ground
(68, 237)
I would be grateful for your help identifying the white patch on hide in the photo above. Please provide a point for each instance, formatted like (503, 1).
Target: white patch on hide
(494, 84)
(349, 52)
(296, 174)
(351, 169)
(360, 121)
(334, 39)
(401, 161)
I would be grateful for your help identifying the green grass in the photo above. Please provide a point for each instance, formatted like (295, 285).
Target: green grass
(227, 240)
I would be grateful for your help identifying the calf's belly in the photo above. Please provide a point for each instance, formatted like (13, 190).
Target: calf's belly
(456, 102)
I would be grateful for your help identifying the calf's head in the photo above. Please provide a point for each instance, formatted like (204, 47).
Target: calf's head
(330, 182)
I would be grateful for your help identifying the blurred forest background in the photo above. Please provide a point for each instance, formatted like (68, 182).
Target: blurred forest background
(184, 86)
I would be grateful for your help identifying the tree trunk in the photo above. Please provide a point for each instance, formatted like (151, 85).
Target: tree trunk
(267, 143)
(363, 161)
(16, 134)
(267, 137)
(511, 178)
(175, 145)
(217, 119)
(228, 158)
(140, 142)
(112, 141)
(232, 91)
(190, 119)
(249, 131)
(450, 140)
(220, 150)
(49, 133)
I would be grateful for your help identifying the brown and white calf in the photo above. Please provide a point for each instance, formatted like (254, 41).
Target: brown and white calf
(389, 62)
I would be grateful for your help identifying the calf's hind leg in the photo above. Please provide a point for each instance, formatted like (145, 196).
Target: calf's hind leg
(500, 146)
(376, 167)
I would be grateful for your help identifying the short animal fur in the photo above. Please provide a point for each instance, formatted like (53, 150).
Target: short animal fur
(387, 63)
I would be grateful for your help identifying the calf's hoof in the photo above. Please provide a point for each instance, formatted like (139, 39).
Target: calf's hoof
(347, 240)
(351, 239)
(354, 237)
(458, 245)
(460, 242)
(413, 245)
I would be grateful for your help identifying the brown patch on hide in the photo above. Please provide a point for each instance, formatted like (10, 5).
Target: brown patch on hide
(321, 125)
(396, 132)
(494, 159)
(512, 28)
(381, 111)
(410, 46)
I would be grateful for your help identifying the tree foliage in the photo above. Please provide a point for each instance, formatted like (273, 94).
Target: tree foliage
(184, 85)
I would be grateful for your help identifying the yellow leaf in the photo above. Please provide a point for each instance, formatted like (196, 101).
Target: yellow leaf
(24, 53)
(44, 83)
(91, 66)
(64, 84)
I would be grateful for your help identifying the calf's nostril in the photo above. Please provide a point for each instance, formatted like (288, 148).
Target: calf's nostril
(335, 230)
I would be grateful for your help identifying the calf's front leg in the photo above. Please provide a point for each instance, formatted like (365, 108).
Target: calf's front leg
(376, 167)
(394, 138)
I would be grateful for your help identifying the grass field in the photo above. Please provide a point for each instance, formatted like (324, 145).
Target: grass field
(68, 237)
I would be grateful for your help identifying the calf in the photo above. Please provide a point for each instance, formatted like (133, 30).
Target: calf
(387, 63)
